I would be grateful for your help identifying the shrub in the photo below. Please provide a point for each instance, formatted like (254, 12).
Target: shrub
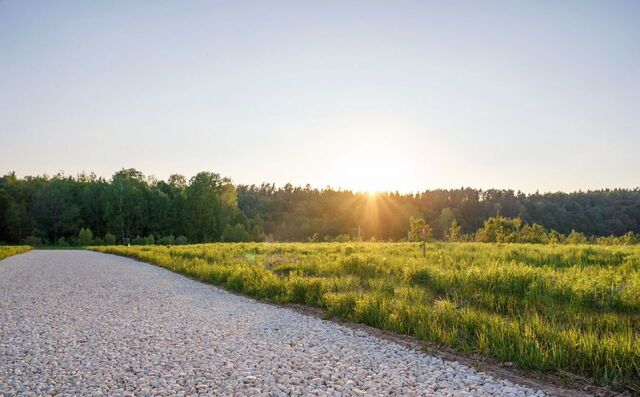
(166, 240)
(32, 241)
(534, 234)
(150, 240)
(499, 230)
(576, 238)
(109, 239)
(85, 237)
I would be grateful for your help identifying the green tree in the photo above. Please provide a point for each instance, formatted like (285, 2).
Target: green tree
(127, 210)
(257, 234)
(499, 229)
(419, 230)
(446, 219)
(211, 203)
(54, 208)
(85, 237)
(455, 232)
(235, 234)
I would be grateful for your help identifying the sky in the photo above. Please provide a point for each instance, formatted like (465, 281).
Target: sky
(363, 95)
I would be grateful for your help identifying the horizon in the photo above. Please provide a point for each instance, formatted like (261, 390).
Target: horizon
(319, 188)
(410, 97)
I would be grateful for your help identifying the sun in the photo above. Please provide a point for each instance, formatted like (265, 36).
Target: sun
(371, 171)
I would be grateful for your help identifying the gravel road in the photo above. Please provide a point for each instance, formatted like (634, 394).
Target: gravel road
(84, 323)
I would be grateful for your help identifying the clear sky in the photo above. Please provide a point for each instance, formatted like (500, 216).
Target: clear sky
(366, 95)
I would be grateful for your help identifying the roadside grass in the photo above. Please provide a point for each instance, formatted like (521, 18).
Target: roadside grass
(572, 308)
(10, 250)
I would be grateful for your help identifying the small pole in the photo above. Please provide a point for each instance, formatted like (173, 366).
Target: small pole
(423, 234)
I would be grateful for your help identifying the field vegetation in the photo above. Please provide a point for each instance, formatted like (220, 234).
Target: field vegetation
(565, 308)
(9, 250)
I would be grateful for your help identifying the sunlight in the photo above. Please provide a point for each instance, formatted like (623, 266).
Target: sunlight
(372, 170)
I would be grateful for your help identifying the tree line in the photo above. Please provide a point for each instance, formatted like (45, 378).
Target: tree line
(132, 208)
(500, 229)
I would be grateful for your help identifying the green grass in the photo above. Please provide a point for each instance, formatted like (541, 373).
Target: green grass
(572, 308)
(10, 250)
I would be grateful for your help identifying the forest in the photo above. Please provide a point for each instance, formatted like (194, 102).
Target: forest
(133, 208)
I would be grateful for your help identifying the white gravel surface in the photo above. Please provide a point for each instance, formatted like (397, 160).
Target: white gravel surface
(84, 323)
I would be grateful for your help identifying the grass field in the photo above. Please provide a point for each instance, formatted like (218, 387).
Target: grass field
(569, 308)
(9, 250)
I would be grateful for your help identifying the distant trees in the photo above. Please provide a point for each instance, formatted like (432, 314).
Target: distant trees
(89, 210)
(131, 208)
(297, 213)
(506, 230)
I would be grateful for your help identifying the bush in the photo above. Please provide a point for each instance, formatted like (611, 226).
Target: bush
(109, 239)
(534, 234)
(576, 238)
(181, 240)
(499, 230)
(85, 237)
(150, 240)
(166, 240)
(32, 241)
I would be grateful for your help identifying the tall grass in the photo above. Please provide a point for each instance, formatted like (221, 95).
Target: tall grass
(572, 308)
(10, 250)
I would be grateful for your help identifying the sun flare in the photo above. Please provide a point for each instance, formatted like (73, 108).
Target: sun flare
(371, 171)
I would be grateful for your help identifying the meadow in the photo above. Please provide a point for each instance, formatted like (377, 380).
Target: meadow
(9, 250)
(562, 308)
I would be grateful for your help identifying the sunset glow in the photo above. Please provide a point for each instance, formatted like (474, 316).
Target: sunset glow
(372, 170)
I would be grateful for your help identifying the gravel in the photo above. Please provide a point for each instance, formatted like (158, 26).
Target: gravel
(84, 323)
